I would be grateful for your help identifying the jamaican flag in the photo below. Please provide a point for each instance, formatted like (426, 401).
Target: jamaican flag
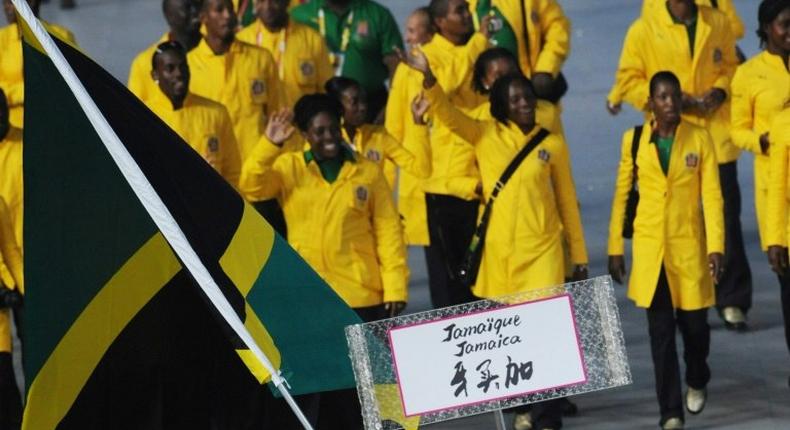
(118, 333)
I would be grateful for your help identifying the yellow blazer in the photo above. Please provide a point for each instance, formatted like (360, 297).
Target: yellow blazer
(11, 188)
(656, 43)
(10, 271)
(348, 231)
(523, 246)
(778, 222)
(760, 89)
(671, 228)
(245, 80)
(206, 126)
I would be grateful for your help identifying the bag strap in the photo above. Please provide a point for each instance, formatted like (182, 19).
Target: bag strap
(635, 142)
(524, 31)
(635, 146)
(482, 226)
(511, 168)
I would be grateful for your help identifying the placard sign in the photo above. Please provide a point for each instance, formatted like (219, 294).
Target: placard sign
(488, 355)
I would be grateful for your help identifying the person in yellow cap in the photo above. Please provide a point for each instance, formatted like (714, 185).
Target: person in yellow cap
(341, 219)
(11, 168)
(696, 44)
(300, 52)
(183, 21)
(778, 220)
(372, 141)
(11, 76)
(203, 124)
(522, 247)
(678, 242)
(242, 77)
(11, 289)
(403, 89)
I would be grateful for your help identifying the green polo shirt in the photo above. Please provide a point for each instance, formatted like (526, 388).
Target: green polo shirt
(664, 147)
(330, 169)
(374, 34)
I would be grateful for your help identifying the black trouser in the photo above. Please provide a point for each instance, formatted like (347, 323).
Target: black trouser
(10, 400)
(662, 321)
(340, 409)
(270, 210)
(451, 224)
(546, 414)
(735, 286)
(784, 281)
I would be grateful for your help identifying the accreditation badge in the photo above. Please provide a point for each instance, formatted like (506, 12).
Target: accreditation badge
(307, 68)
(361, 193)
(258, 87)
(717, 56)
(373, 155)
(213, 144)
(692, 160)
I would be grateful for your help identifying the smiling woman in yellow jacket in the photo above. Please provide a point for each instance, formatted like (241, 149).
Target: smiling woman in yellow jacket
(523, 248)
(673, 238)
(10, 278)
(760, 89)
(339, 210)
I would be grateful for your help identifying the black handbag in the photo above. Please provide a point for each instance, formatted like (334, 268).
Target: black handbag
(633, 193)
(470, 266)
(559, 86)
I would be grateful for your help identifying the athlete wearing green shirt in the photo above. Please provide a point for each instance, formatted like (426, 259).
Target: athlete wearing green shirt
(362, 37)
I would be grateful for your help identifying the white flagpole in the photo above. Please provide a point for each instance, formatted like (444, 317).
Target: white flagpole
(152, 202)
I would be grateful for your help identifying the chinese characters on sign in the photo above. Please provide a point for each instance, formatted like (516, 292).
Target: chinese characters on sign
(489, 355)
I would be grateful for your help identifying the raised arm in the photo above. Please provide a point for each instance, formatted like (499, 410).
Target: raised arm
(260, 180)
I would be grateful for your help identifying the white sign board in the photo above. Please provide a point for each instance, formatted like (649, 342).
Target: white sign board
(488, 355)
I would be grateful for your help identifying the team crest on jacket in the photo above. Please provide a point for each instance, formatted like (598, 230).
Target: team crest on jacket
(362, 193)
(373, 155)
(717, 55)
(307, 68)
(544, 155)
(258, 87)
(213, 144)
(692, 160)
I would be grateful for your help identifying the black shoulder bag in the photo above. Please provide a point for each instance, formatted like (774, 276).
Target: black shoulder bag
(560, 85)
(467, 273)
(633, 193)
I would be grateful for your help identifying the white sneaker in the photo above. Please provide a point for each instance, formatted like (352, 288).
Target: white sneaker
(695, 400)
(522, 421)
(734, 319)
(673, 424)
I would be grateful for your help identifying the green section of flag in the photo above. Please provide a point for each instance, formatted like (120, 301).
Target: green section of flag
(82, 221)
(309, 332)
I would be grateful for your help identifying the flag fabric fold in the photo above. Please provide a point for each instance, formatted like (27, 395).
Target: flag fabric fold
(117, 333)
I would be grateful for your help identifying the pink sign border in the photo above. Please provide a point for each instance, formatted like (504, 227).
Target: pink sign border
(578, 346)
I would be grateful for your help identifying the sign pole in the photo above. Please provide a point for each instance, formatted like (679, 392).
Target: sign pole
(499, 417)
